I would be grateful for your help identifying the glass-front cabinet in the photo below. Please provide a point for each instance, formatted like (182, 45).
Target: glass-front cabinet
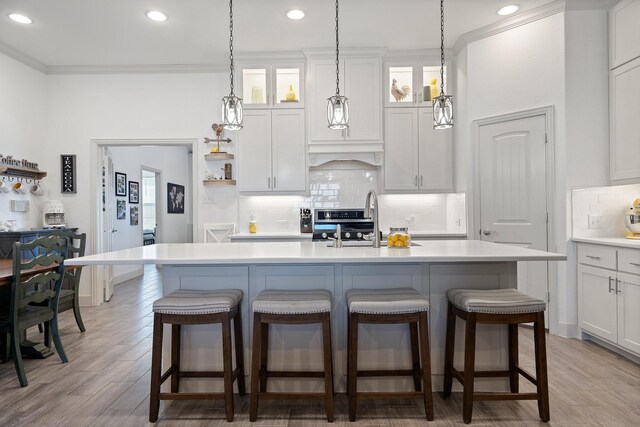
(272, 86)
(409, 84)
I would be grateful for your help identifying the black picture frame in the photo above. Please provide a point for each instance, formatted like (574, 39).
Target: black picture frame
(134, 192)
(121, 209)
(121, 184)
(68, 175)
(133, 215)
(175, 198)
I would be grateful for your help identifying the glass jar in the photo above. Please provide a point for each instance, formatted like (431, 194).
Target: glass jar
(399, 237)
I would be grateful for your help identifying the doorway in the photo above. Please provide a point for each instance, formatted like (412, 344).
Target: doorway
(514, 192)
(151, 205)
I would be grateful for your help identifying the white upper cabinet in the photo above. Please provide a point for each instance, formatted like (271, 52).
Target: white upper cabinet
(435, 147)
(254, 152)
(411, 84)
(360, 80)
(279, 85)
(624, 32)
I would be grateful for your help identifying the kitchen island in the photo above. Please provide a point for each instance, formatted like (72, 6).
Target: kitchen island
(432, 268)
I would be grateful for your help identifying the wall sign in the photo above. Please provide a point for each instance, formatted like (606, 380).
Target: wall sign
(68, 168)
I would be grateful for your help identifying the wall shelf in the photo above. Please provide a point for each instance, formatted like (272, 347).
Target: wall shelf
(22, 172)
(219, 156)
(219, 182)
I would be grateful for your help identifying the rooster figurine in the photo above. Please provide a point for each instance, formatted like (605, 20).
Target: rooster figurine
(399, 94)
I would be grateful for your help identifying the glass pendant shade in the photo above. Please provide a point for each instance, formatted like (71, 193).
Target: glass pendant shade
(232, 112)
(443, 112)
(338, 112)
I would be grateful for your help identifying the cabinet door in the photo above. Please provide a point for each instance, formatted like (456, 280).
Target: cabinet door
(405, 92)
(628, 286)
(254, 152)
(624, 123)
(288, 80)
(255, 85)
(435, 147)
(321, 84)
(362, 85)
(288, 150)
(401, 149)
(624, 32)
(597, 302)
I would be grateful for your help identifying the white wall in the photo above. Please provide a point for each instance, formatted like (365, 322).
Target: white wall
(552, 61)
(22, 133)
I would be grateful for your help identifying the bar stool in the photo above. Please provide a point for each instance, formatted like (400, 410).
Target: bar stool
(192, 307)
(496, 306)
(386, 306)
(289, 307)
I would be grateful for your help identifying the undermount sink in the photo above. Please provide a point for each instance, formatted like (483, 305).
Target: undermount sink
(364, 244)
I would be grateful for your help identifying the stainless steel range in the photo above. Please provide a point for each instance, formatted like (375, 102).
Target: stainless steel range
(353, 224)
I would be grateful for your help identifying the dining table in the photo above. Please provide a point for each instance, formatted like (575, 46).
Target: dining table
(29, 349)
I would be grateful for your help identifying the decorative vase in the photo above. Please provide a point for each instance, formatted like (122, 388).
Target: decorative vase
(291, 95)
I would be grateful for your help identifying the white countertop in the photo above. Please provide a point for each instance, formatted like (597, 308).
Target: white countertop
(610, 241)
(309, 236)
(314, 253)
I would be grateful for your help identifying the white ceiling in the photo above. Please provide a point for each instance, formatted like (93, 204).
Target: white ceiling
(117, 33)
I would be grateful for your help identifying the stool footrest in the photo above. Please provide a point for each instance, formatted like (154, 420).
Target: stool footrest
(390, 395)
(527, 375)
(291, 396)
(504, 396)
(388, 373)
(191, 396)
(167, 374)
(295, 374)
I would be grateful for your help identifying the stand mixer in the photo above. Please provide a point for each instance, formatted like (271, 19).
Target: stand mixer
(632, 220)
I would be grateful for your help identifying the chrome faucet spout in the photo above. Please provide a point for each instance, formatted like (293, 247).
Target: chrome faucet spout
(372, 213)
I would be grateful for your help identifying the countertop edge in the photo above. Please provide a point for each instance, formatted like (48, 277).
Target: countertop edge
(620, 242)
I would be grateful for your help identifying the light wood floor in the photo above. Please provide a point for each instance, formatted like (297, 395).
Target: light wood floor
(106, 382)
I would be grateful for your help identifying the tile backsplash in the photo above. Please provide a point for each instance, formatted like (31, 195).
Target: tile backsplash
(346, 188)
(610, 202)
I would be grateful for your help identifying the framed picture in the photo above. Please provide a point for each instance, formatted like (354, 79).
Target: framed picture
(134, 193)
(133, 215)
(68, 173)
(121, 209)
(175, 198)
(121, 184)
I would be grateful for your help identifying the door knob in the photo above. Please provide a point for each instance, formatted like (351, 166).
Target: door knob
(487, 232)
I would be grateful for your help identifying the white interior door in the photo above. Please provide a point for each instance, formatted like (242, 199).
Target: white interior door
(108, 219)
(513, 207)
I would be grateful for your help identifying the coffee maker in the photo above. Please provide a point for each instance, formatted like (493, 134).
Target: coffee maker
(53, 214)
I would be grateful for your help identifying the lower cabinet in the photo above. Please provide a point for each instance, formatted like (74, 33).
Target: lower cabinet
(609, 300)
(271, 151)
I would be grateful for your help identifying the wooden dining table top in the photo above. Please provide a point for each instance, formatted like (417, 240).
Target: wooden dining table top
(6, 271)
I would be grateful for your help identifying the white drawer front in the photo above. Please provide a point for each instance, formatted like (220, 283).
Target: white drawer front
(598, 256)
(629, 260)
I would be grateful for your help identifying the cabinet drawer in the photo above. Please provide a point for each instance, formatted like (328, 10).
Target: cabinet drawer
(599, 256)
(629, 260)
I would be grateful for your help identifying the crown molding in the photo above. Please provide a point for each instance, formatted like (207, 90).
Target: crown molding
(138, 69)
(528, 17)
(23, 58)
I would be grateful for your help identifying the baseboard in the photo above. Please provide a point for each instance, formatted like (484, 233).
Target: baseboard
(612, 347)
(567, 330)
(85, 300)
(128, 276)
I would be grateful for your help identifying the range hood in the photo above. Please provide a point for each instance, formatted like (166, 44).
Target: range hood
(371, 153)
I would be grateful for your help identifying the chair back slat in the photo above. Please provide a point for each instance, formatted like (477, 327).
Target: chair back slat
(76, 248)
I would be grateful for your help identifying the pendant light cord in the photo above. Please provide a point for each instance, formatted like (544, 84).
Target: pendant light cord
(441, 47)
(337, 54)
(231, 67)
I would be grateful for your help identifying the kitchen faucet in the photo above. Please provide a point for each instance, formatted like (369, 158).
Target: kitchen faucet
(375, 236)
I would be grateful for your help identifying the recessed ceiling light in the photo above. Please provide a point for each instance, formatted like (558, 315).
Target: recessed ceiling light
(20, 18)
(295, 14)
(156, 15)
(508, 10)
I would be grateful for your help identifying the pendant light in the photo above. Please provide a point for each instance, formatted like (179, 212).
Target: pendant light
(443, 104)
(231, 104)
(338, 106)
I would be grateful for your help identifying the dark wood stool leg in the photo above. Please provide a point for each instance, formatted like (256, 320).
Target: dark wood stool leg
(255, 367)
(449, 351)
(469, 367)
(426, 364)
(264, 357)
(175, 358)
(415, 356)
(227, 361)
(352, 374)
(328, 365)
(237, 331)
(541, 367)
(514, 377)
(156, 367)
(348, 349)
